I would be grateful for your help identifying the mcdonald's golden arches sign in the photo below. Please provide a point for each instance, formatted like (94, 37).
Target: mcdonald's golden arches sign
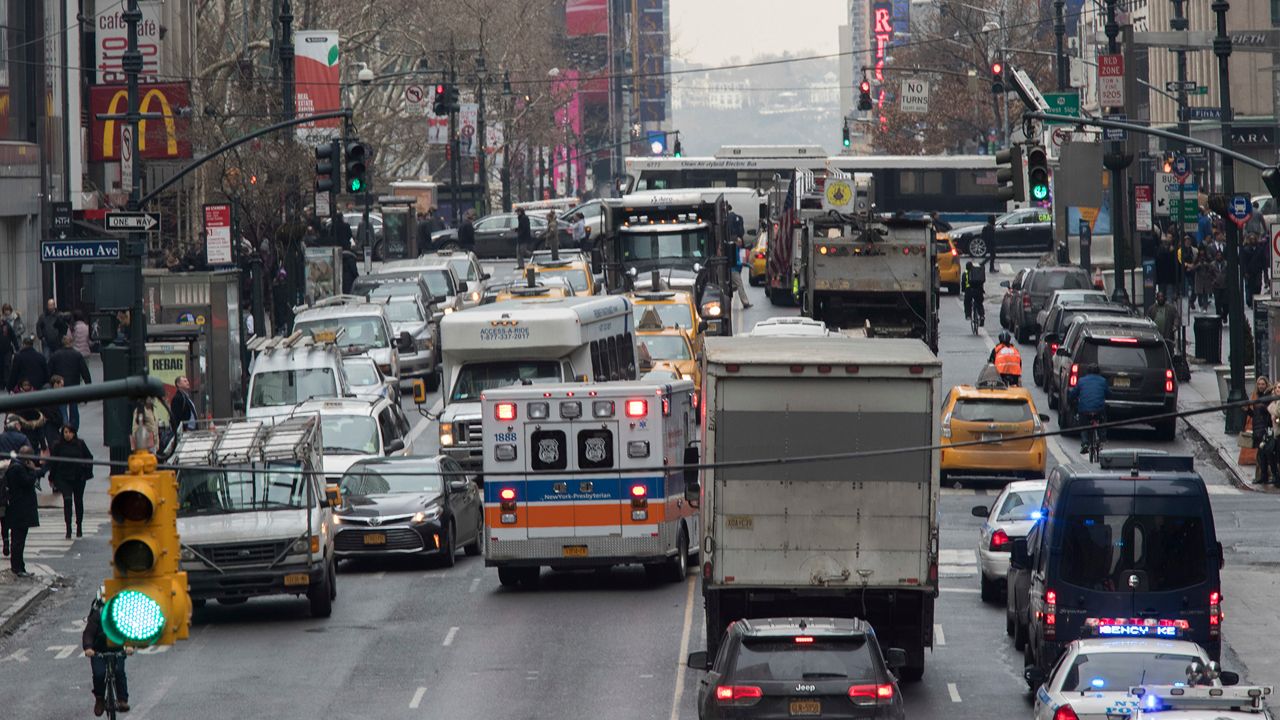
(158, 139)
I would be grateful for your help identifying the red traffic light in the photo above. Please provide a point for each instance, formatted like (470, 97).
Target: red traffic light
(440, 89)
(997, 68)
(865, 86)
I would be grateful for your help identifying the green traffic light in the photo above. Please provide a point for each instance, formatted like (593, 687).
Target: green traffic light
(133, 617)
(356, 185)
(846, 142)
(1040, 192)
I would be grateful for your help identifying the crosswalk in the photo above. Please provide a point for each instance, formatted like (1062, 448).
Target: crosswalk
(49, 541)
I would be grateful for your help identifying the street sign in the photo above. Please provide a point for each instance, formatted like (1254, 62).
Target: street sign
(145, 221)
(1176, 199)
(126, 158)
(1111, 80)
(1194, 151)
(60, 223)
(217, 233)
(87, 250)
(915, 96)
(1240, 208)
(1204, 113)
(1114, 134)
(1275, 264)
(1174, 86)
(1200, 90)
(1063, 103)
(1181, 168)
(1142, 195)
(415, 99)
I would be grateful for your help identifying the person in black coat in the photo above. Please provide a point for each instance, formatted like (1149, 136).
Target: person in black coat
(1166, 267)
(69, 478)
(350, 271)
(9, 343)
(467, 231)
(524, 234)
(22, 513)
(989, 237)
(28, 364)
(182, 409)
(67, 362)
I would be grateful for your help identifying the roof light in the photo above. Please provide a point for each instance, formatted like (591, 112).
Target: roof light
(637, 408)
(602, 409)
(538, 410)
(804, 639)
(505, 411)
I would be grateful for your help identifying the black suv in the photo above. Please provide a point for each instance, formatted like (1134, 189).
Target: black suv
(1138, 369)
(1034, 293)
(783, 667)
(1056, 322)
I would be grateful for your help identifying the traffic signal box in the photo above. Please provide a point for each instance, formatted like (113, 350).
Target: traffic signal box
(998, 84)
(864, 95)
(356, 175)
(147, 602)
(1037, 173)
(1010, 178)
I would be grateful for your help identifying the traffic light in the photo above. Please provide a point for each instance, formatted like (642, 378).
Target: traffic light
(844, 133)
(439, 107)
(1271, 178)
(864, 95)
(146, 601)
(676, 150)
(356, 171)
(452, 98)
(327, 157)
(1010, 180)
(1037, 173)
(997, 78)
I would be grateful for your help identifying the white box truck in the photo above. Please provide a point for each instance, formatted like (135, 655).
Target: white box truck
(854, 537)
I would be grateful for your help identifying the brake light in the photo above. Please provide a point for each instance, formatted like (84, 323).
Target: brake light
(1075, 375)
(1051, 618)
(999, 541)
(505, 411)
(639, 497)
(507, 496)
(1168, 381)
(1125, 341)
(743, 695)
(1215, 614)
(759, 256)
(1064, 712)
(637, 408)
(1053, 348)
(880, 694)
(1026, 302)
(955, 252)
(804, 640)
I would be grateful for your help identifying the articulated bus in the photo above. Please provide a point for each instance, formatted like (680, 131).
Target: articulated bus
(961, 188)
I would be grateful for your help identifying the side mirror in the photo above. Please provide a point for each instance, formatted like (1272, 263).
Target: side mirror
(692, 487)
(439, 299)
(1051, 339)
(895, 658)
(404, 343)
(1229, 678)
(981, 511)
(1044, 418)
(702, 326)
(1004, 283)
(395, 446)
(1063, 352)
(457, 486)
(699, 661)
(462, 286)
(419, 391)
(485, 276)
(332, 496)
(1020, 558)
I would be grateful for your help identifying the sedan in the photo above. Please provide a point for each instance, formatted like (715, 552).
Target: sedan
(408, 506)
(495, 235)
(1021, 231)
(1012, 515)
(366, 380)
(788, 667)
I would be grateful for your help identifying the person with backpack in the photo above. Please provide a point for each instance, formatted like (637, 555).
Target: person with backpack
(973, 281)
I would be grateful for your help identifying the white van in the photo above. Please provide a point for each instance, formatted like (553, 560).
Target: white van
(289, 370)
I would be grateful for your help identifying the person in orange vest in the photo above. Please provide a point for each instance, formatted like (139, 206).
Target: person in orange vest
(1007, 359)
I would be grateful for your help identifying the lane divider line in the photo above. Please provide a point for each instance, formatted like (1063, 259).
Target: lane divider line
(953, 692)
(684, 651)
(448, 638)
(417, 698)
(939, 639)
(475, 583)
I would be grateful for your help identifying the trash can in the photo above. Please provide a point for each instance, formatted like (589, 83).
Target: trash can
(1208, 338)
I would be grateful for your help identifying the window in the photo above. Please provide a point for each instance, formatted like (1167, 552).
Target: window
(363, 479)
(233, 490)
(1121, 671)
(548, 450)
(361, 374)
(772, 659)
(670, 315)
(1110, 356)
(404, 311)
(664, 246)
(1165, 552)
(464, 269)
(387, 426)
(612, 357)
(595, 449)
(475, 378)
(440, 282)
(363, 330)
(991, 411)
(350, 435)
(667, 347)
(628, 357)
(1020, 505)
(597, 362)
(919, 182)
(1050, 281)
(975, 182)
(577, 279)
(290, 387)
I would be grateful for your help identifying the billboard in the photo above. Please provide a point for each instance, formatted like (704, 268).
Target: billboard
(111, 40)
(317, 81)
(651, 59)
(165, 139)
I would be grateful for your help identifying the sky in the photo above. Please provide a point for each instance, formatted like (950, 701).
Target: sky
(710, 32)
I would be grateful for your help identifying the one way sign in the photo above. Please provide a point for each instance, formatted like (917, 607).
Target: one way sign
(145, 221)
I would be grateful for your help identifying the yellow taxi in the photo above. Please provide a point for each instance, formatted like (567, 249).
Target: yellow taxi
(991, 412)
(675, 309)
(575, 269)
(524, 292)
(759, 258)
(948, 260)
(659, 346)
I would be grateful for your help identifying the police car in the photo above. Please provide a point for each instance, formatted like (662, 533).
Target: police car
(1093, 678)
(1179, 702)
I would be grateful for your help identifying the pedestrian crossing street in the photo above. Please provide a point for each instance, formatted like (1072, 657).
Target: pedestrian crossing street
(49, 542)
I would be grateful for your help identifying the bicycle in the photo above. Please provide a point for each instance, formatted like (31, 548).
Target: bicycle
(977, 316)
(110, 658)
(1093, 438)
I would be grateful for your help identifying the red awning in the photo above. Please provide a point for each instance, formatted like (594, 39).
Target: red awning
(586, 17)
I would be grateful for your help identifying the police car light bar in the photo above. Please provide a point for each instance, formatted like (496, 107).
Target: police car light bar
(1246, 698)
(1136, 627)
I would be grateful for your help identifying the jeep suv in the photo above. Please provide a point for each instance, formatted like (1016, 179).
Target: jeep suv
(1033, 295)
(1139, 372)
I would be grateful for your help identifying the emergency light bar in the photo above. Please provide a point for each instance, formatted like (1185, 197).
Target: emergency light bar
(1242, 698)
(1136, 627)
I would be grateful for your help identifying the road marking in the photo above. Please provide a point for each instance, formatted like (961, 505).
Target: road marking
(957, 557)
(966, 591)
(62, 651)
(939, 639)
(448, 638)
(953, 692)
(1223, 490)
(1058, 452)
(19, 655)
(684, 651)
(417, 698)
(475, 583)
(380, 574)
(415, 431)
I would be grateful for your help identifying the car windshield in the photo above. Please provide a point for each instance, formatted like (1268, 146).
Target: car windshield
(423, 477)
(771, 659)
(577, 279)
(475, 378)
(1050, 281)
(1090, 297)
(363, 331)
(349, 435)
(1103, 552)
(362, 374)
(666, 347)
(439, 282)
(1020, 505)
(404, 311)
(290, 387)
(1111, 356)
(464, 269)
(663, 246)
(233, 490)
(1119, 671)
(671, 315)
(991, 410)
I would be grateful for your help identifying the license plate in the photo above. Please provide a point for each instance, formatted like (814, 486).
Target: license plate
(375, 539)
(806, 707)
(1120, 382)
(575, 550)
(992, 437)
(297, 579)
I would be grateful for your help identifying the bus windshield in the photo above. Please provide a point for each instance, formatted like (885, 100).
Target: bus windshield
(234, 490)
(475, 378)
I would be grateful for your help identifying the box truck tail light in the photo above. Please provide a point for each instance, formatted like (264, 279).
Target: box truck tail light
(1168, 380)
(1215, 614)
(1051, 616)
(637, 408)
(706, 570)
(1075, 375)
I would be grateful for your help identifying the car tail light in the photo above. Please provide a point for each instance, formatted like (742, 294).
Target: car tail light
(1064, 712)
(738, 695)
(1168, 380)
(1051, 617)
(1215, 614)
(759, 256)
(1026, 302)
(955, 252)
(880, 694)
(999, 541)
(505, 411)
(1075, 375)
(637, 408)
(1124, 341)
(1053, 348)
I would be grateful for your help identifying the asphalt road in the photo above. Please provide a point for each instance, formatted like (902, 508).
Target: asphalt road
(409, 640)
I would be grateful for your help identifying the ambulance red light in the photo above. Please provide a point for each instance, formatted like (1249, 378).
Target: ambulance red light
(505, 411)
(507, 494)
(639, 491)
(637, 408)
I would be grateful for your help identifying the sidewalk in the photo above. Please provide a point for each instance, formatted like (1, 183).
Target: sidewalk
(1208, 428)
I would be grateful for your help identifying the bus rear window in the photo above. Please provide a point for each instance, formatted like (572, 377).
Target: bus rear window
(1164, 552)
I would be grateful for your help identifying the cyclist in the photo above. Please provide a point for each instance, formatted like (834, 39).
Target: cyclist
(971, 281)
(94, 643)
(1007, 359)
(1090, 398)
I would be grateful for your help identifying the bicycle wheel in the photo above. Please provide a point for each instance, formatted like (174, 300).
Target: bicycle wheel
(109, 692)
(1094, 445)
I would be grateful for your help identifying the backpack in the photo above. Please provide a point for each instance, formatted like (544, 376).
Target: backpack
(977, 276)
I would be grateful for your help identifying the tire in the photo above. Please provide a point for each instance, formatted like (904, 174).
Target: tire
(990, 592)
(321, 597)
(954, 288)
(1004, 317)
(1023, 335)
(1019, 636)
(333, 582)
(1053, 396)
(472, 549)
(677, 568)
(711, 607)
(1008, 622)
(977, 248)
(432, 380)
(1037, 372)
(529, 576)
(1067, 419)
(912, 673)
(449, 547)
(1028, 659)
(1167, 430)
(508, 576)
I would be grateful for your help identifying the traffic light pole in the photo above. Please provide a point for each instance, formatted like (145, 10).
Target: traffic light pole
(1235, 296)
(1116, 160)
(131, 63)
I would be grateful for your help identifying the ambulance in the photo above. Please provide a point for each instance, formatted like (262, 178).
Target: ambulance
(590, 476)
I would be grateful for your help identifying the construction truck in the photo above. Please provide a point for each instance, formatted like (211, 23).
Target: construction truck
(866, 273)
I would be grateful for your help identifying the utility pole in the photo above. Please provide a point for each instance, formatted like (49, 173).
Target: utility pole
(1116, 160)
(505, 173)
(1179, 24)
(455, 161)
(287, 96)
(1059, 35)
(481, 165)
(542, 172)
(1235, 296)
(131, 63)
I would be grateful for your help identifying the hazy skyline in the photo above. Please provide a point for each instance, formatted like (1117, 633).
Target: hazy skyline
(711, 32)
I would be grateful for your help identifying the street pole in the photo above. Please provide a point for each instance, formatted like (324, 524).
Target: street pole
(1116, 160)
(542, 171)
(455, 162)
(131, 63)
(1235, 296)
(1059, 35)
(481, 78)
(504, 175)
(287, 95)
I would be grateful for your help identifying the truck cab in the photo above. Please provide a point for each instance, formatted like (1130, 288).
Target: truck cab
(288, 370)
(252, 513)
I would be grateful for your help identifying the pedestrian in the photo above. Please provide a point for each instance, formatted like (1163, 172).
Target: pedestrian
(426, 226)
(23, 512)
(55, 416)
(94, 643)
(51, 327)
(989, 237)
(69, 478)
(1204, 226)
(1258, 423)
(524, 235)
(1204, 277)
(578, 230)
(1165, 316)
(144, 418)
(551, 238)
(182, 409)
(28, 365)
(1166, 267)
(10, 342)
(11, 440)
(70, 364)
(735, 279)
(467, 231)
(1218, 273)
(81, 333)
(1254, 264)
(33, 420)
(350, 270)
(939, 225)
(1186, 262)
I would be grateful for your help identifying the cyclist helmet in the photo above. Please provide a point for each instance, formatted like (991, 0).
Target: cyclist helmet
(1005, 338)
(1091, 369)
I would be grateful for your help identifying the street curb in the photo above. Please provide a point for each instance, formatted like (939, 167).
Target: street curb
(1227, 462)
(13, 614)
